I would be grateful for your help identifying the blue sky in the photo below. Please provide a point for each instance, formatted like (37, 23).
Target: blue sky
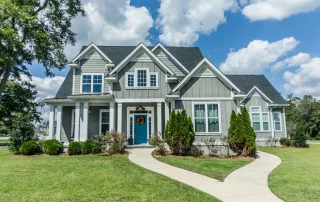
(280, 32)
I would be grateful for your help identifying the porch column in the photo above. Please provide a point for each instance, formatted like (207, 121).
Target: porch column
(119, 117)
(238, 106)
(285, 122)
(173, 105)
(84, 124)
(111, 120)
(77, 122)
(271, 124)
(59, 122)
(166, 112)
(159, 118)
(51, 121)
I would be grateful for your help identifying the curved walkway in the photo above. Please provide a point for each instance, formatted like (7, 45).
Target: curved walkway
(249, 183)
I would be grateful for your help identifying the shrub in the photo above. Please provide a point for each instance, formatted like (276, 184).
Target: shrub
(285, 142)
(159, 143)
(272, 142)
(98, 144)
(210, 144)
(52, 147)
(179, 132)
(115, 142)
(74, 148)
(196, 150)
(250, 135)
(300, 139)
(30, 147)
(87, 147)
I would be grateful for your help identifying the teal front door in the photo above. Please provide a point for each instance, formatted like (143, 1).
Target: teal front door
(140, 129)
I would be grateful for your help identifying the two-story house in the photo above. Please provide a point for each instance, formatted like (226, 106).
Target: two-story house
(132, 89)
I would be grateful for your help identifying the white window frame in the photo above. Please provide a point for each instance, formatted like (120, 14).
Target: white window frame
(261, 119)
(100, 118)
(274, 122)
(135, 77)
(91, 74)
(206, 117)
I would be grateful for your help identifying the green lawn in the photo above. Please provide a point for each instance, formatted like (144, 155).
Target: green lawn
(86, 178)
(298, 176)
(4, 141)
(313, 141)
(217, 168)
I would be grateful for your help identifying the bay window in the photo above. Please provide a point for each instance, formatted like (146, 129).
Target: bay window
(92, 83)
(206, 117)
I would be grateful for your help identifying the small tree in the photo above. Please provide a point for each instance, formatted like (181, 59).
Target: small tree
(232, 130)
(170, 130)
(300, 139)
(250, 135)
(239, 139)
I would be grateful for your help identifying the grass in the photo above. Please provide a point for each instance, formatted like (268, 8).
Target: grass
(217, 168)
(86, 178)
(313, 141)
(298, 176)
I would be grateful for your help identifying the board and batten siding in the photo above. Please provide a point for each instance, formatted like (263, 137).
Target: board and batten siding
(92, 64)
(66, 123)
(120, 90)
(165, 59)
(205, 87)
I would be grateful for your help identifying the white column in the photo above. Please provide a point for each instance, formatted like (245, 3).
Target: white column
(59, 123)
(51, 121)
(119, 117)
(285, 122)
(271, 124)
(84, 123)
(159, 117)
(77, 122)
(173, 105)
(111, 119)
(238, 106)
(166, 112)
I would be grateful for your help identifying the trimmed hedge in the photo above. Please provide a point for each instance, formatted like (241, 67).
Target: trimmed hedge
(87, 147)
(30, 147)
(74, 148)
(52, 147)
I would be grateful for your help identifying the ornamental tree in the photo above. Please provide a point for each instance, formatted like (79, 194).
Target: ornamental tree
(34, 30)
(250, 135)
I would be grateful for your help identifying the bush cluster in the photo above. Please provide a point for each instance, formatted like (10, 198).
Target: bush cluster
(285, 142)
(74, 148)
(300, 139)
(52, 147)
(30, 147)
(159, 143)
(241, 135)
(87, 146)
(179, 132)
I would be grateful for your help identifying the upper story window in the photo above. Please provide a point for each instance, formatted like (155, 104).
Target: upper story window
(206, 117)
(141, 78)
(92, 83)
(259, 120)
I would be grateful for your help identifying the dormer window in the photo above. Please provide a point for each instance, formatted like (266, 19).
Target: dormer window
(92, 83)
(142, 78)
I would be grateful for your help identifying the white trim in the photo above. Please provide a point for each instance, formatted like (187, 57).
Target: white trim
(206, 98)
(206, 118)
(100, 116)
(146, 100)
(260, 117)
(92, 45)
(136, 77)
(111, 120)
(159, 118)
(213, 68)
(58, 101)
(277, 112)
(74, 80)
(157, 79)
(263, 130)
(92, 74)
(159, 45)
(149, 53)
(133, 121)
(119, 116)
(279, 105)
(127, 81)
(166, 112)
(259, 91)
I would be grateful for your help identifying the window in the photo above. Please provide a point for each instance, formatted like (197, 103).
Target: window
(276, 121)
(259, 120)
(92, 83)
(206, 118)
(142, 78)
(265, 121)
(104, 121)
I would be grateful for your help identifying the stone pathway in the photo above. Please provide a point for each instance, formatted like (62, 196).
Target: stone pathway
(249, 183)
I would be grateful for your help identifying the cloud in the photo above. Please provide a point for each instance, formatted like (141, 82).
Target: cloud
(297, 60)
(305, 80)
(277, 9)
(257, 56)
(47, 88)
(112, 22)
(180, 22)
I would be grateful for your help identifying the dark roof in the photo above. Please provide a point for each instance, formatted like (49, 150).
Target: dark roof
(247, 82)
(187, 56)
(66, 87)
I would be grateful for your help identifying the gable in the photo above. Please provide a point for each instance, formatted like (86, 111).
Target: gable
(204, 72)
(141, 57)
(165, 59)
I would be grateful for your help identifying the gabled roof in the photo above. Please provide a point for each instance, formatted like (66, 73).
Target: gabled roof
(88, 48)
(213, 68)
(256, 89)
(247, 82)
(66, 87)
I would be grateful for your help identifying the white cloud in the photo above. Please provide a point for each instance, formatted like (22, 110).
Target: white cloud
(180, 22)
(297, 60)
(305, 80)
(47, 88)
(257, 56)
(277, 9)
(112, 22)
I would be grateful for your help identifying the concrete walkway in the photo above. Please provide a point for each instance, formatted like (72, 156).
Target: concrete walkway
(249, 183)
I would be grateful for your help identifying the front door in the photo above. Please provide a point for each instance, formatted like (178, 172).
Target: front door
(140, 129)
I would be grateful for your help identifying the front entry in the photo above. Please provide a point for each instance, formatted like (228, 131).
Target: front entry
(140, 129)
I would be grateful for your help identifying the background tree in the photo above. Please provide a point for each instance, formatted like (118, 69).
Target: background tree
(34, 30)
(300, 139)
